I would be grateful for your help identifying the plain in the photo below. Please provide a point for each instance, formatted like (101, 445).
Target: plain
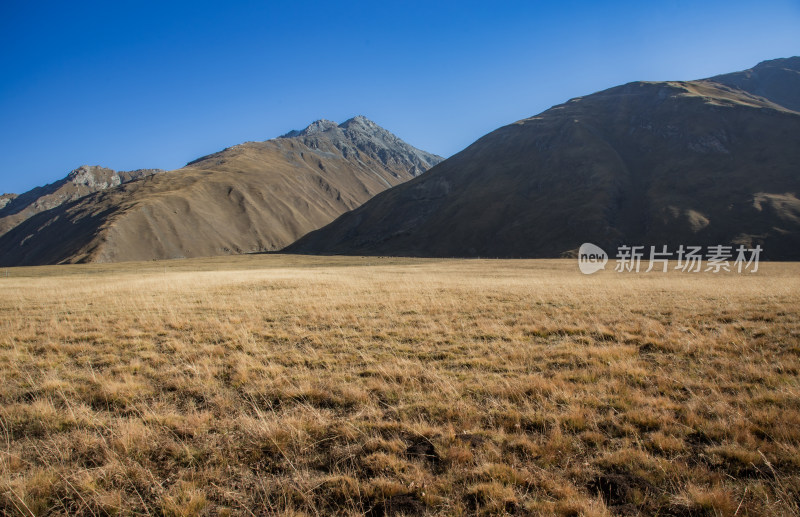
(272, 384)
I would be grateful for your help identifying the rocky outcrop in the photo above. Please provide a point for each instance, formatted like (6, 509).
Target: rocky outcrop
(360, 136)
(6, 199)
(84, 180)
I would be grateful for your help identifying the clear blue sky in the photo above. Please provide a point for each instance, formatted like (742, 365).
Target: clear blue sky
(133, 84)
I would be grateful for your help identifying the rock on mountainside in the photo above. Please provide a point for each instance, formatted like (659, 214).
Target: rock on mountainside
(648, 163)
(80, 182)
(6, 199)
(257, 196)
(359, 134)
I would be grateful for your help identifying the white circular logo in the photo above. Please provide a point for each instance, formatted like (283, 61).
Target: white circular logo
(591, 258)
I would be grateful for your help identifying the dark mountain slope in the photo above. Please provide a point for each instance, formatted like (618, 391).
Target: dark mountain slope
(645, 163)
(777, 80)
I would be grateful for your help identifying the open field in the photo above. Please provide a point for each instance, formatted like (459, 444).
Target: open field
(311, 386)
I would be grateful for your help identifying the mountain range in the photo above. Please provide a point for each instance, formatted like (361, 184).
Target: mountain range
(252, 197)
(707, 162)
(80, 182)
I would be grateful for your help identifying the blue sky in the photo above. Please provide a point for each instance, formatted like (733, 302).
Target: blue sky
(134, 84)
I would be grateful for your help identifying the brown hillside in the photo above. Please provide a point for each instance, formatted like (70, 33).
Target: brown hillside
(80, 182)
(257, 196)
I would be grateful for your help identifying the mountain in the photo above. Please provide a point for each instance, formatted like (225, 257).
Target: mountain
(705, 162)
(80, 182)
(777, 80)
(256, 196)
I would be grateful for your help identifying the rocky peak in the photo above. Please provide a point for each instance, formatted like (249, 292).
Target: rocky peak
(94, 177)
(359, 136)
(360, 128)
(6, 199)
(353, 126)
(360, 122)
(318, 126)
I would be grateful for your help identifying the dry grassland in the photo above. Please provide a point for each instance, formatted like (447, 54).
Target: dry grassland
(272, 385)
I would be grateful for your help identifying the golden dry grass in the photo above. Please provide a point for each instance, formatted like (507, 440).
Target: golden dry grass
(314, 386)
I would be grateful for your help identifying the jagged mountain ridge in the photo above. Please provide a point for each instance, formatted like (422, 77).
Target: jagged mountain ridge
(252, 197)
(79, 182)
(359, 134)
(652, 163)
